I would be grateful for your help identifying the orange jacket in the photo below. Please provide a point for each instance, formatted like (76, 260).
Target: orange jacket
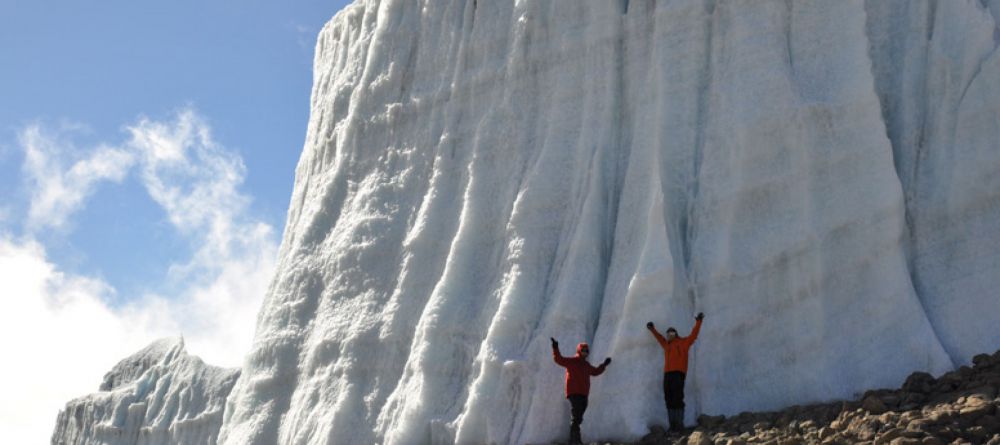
(578, 371)
(675, 352)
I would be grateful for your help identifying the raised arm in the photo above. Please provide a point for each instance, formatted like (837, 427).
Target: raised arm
(556, 356)
(697, 328)
(659, 338)
(595, 371)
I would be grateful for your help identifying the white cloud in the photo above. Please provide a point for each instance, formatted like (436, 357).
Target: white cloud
(58, 331)
(58, 336)
(57, 192)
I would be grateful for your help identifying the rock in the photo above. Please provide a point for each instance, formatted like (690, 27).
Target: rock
(890, 400)
(910, 415)
(946, 434)
(849, 406)
(941, 398)
(736, 441)
(826, 432)
(992, 375)
(888, 418)
(873, 405)
(920, 382)
(656, 435)
(985, 392)
(977, 433)
(833, 440)
(982, 361)
(699, 438)
(921, 425)
(990, 423)
(888, 436)
(905, 441)
(931, 440)
(948, 382)
(941, 415)
(977, 400)
(971, 413)
(913, 398)
(707, 421)
(865, 433)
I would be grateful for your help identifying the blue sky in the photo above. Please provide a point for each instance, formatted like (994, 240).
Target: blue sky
(244, 65)
(147, 153)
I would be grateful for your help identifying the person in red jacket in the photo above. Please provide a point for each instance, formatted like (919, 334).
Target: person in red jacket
(578, 373)
(675, 364)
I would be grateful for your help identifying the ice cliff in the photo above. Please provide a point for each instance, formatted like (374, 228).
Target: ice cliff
(158, 396)
(821, 178)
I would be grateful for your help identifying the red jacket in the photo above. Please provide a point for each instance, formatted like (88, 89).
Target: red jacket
(578, 371)
(675, 352)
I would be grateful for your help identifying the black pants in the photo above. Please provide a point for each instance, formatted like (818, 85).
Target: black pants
(578, 404)
(673, 389)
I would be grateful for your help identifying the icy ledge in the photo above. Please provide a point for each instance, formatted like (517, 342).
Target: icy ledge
(159, 395)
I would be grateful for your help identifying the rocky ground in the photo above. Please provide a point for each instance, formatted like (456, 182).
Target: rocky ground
(960, 407)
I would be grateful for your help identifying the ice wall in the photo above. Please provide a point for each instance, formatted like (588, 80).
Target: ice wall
(820, 178)
(158, 396)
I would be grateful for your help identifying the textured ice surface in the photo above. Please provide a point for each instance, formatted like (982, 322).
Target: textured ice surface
(158, 396)
(821, 178)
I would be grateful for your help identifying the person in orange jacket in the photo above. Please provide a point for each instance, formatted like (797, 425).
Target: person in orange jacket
(675, 364)
(578, 373)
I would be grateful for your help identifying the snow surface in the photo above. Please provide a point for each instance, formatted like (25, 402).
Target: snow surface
(159, 395)
(821, 178)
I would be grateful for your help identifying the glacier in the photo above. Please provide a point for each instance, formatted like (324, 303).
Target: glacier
(821, 179)
(161, 395)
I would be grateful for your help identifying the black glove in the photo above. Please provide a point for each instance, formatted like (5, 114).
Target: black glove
(555, 344)
(607, 361)
(649, 325)
(700, 316)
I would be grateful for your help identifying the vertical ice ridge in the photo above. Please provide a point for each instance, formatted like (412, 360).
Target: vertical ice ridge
(882, 30)
(423, 261)
(982, 59)
(913, 45)
(444, 381)
(689, 222)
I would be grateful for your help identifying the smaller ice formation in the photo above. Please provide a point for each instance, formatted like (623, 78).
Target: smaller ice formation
(159, 395)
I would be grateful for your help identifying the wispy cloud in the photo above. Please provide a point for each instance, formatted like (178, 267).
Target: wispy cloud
(56, 191)
(60, 329)
(305, 36)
